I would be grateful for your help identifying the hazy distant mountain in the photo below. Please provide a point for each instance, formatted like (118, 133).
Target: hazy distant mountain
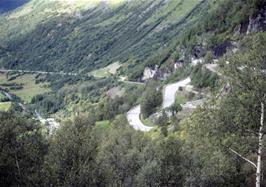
(7, 5)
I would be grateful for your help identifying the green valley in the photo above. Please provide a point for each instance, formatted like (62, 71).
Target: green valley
(145, 93)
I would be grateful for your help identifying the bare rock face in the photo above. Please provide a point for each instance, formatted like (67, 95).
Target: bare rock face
(196, 61)
(254, 24)
(150, 72)
(154, 72)
(241, 29)
(222, 48)
(179, 64)
(162, 74)
(258, 23)
(199, 51)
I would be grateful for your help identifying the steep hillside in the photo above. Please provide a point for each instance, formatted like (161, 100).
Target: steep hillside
(226, 21)
(52, 36)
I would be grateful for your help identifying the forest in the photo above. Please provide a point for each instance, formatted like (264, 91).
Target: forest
(198, 152)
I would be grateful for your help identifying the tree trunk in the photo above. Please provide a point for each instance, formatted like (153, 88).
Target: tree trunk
(17, 164)
(259, 164)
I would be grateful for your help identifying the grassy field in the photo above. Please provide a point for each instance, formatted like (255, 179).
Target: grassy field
(29, 90)
(106, 71)
(5, 106)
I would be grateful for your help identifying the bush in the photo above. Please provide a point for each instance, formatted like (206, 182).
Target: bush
(151, 99)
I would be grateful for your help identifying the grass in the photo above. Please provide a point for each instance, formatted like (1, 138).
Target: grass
(169, 7)
(175, 10)
(103, 124)
(106, 71)
(43, 11)
(29, 90)
(5, 106)
(101, 73)
(185, 7)
(180, 98)
(113, 20)
(146, 121)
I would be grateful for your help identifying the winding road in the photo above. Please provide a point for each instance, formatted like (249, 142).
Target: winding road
(133, 117)
(169, 93)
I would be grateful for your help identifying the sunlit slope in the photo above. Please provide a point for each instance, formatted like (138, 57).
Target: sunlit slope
(27, 17)
(82, 35)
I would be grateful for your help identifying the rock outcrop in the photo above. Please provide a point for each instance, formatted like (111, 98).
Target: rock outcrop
(150, 72)
(157, 73)
(196, 61)
(199, 51)
(258, 23)
(253, 24)
(222, 48)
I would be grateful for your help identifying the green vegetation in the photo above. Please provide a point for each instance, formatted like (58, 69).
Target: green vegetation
(180, 74)
(23, 86)
(201, 77)
(97, 147)
(173, 11)
(229, 14)
(148, 122)
(101, 73)
(72, 95)
(102, 124)
(3, 97)
(151, 99)
(23, 151)
(180, 98)
(107, 71)
(83, 152)
(39, 37)
(5, 106)
(219, 25)
(76, 146)
(232, 122)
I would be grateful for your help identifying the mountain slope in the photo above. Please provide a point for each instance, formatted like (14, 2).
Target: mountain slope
(45, 38)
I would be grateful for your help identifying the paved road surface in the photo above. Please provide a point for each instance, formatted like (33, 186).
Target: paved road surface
(39, 72)
(133, 117)
(169, 93)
